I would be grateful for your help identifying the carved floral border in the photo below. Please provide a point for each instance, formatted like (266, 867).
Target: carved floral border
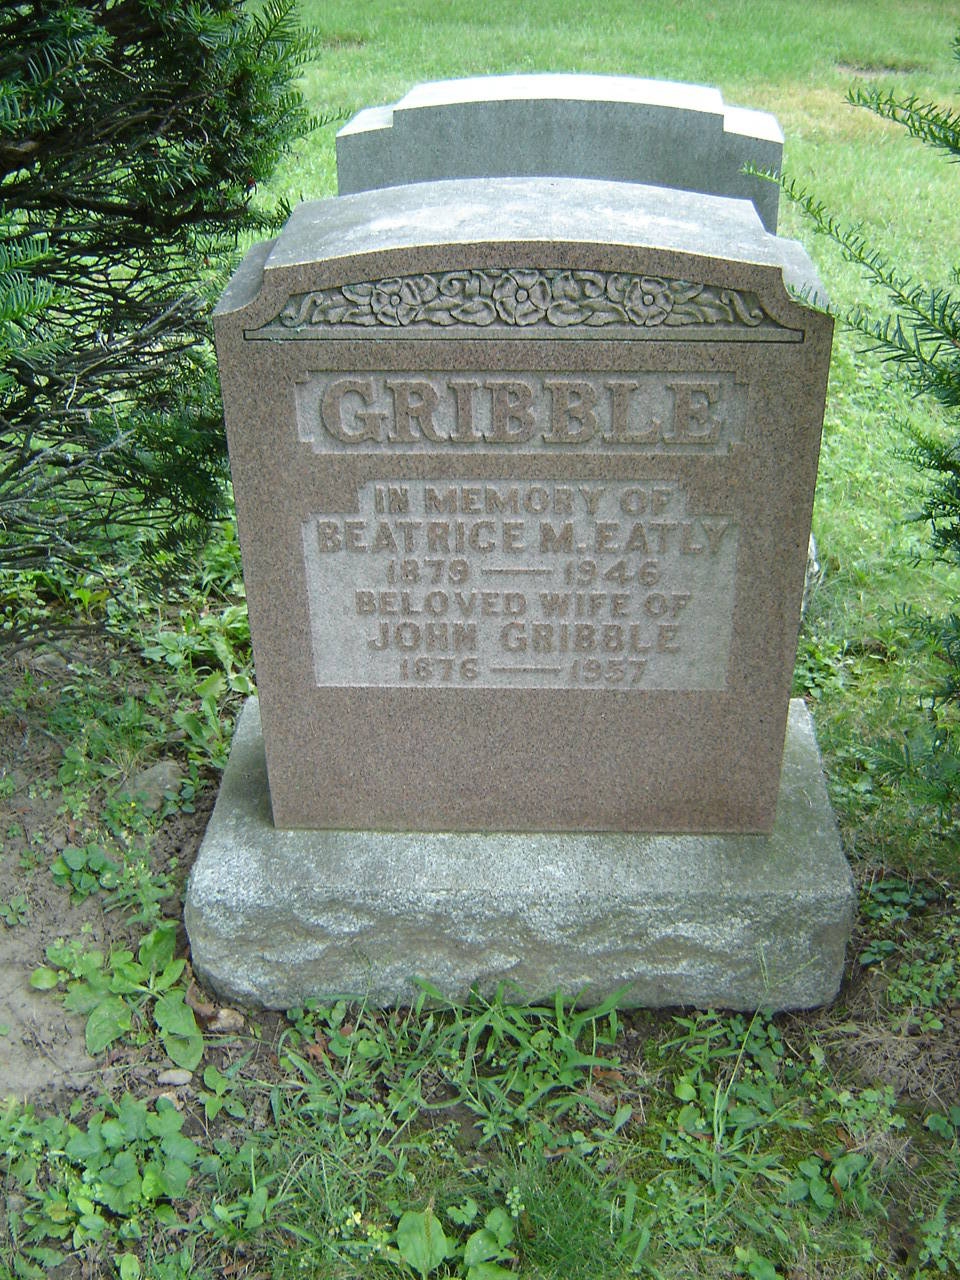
(522, 299)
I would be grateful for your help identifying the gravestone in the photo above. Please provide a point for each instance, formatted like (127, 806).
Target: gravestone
(524, 469)
(576, 126)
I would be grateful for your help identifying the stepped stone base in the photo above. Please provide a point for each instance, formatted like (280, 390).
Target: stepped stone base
(733, 921)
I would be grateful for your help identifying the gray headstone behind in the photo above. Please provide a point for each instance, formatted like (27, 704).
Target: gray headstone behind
(616, 128)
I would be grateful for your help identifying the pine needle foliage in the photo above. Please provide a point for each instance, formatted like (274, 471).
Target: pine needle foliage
(920, 337)
(133, 137)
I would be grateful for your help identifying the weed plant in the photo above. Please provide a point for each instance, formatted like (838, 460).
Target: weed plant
(374, 1152)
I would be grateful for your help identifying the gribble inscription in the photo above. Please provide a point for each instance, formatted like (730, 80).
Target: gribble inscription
(640, 412)
(596, 585)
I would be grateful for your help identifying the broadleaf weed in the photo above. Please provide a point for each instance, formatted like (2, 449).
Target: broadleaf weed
(119, 994)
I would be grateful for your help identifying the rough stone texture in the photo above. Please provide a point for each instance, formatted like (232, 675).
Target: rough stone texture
(579, 126)
(275, 917)
(154, 784)
(639, 385)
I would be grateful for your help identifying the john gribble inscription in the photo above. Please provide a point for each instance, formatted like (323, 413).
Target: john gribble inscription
(524, 496)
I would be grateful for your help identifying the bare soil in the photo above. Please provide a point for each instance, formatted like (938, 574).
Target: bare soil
(42, 1051)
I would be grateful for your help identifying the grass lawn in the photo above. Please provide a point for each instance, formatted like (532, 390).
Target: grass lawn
(494, 1140)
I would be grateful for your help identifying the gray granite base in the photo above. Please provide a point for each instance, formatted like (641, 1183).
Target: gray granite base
(733, 921)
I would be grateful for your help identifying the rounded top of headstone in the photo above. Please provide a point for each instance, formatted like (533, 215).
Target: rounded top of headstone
(512, 215)
(564, 86)
(568, 86)
(577, 210)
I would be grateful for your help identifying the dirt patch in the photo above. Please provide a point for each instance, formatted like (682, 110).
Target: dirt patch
(343, 40)
(880, 70)
(822, 114)
(922, 1066)
(42, 1048)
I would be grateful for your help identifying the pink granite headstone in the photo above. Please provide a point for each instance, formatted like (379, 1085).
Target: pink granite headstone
(524, 498)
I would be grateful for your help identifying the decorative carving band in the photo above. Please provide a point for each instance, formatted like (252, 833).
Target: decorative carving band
(499, 298)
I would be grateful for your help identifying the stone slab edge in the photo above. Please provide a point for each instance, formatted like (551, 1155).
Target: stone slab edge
(277, 916)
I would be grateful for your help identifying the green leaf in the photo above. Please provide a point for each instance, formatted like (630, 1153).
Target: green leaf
(121, 1197)
(169, 1179)
(108, 1021)
(174, 1017)
(212, 1106)
(940, 1125)
(821, 1195)
(89, 966)
(129, 1267)
(184, 1051)
(757, 1267)
(179, 1031)
(122, 1171)
(848, 1166)
(44, 979)
(156, 949)
(481, 1246)
(170, 974)
(796, 1190)
(84, 1148)
(191, 723)
(128, 978)
(256, 1209)
(215, 1079)
(112, 1132)
(684, 1090)
(180, 1147)
(691, 1119)
(90, 1226)
(421, 1241)
(133, 1117)
(623, 1114)
(82, 998)
(153, 1184)
(490, 1271)
(165, 1120)
(461, 1214)
(499, 1222)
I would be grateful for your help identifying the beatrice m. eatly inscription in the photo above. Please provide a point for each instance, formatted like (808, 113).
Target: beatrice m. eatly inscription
(543, 585)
